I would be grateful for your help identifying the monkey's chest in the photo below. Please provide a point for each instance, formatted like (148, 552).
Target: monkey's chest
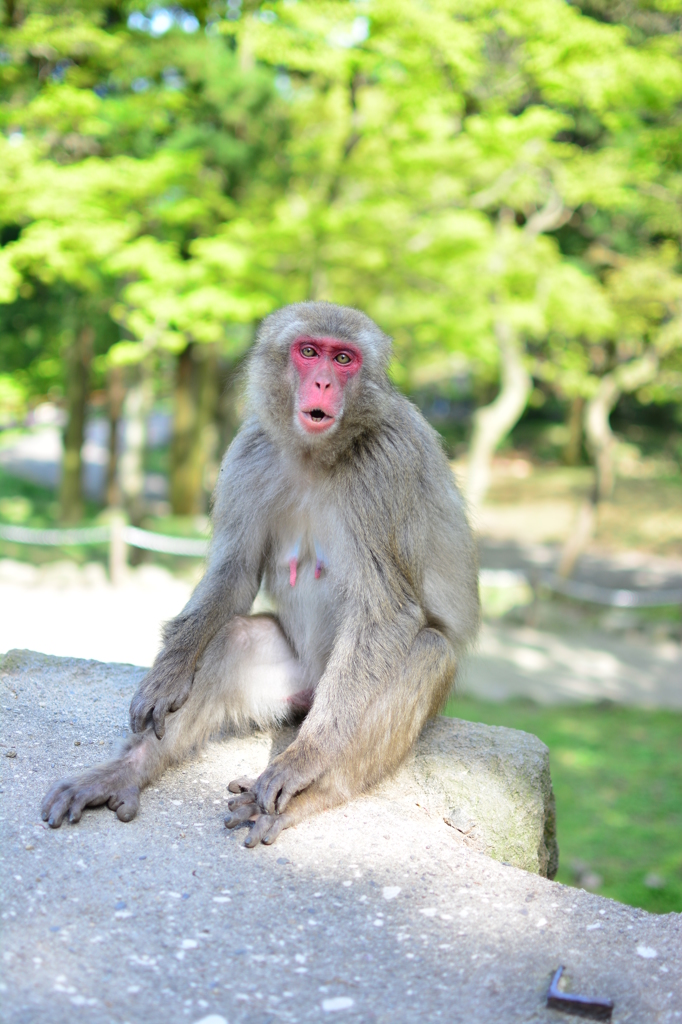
(299, 580)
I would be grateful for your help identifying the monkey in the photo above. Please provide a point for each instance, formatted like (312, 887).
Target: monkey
(336, 498)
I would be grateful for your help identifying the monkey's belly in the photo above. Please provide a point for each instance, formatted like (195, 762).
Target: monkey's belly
(308, 615)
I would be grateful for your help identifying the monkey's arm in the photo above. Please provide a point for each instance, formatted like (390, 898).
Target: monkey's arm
(228, 587)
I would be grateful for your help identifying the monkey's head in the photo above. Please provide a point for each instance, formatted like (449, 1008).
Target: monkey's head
(317, 375)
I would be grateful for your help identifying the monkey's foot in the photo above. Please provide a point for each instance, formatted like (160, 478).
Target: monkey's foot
(285, 777)
(109, 784)
(244, 808)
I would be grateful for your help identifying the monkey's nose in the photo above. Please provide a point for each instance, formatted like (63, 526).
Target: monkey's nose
(323, 384)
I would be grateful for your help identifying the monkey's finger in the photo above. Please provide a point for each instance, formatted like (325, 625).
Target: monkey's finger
(51, 796)
(280, 794)
(243, 798)
(240, 815)
(140, 710)
(241, 785)
(284, 798)
(59, 809)
(159, 718)
(180, 699)
(268, 789)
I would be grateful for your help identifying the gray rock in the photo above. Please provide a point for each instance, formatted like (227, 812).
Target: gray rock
(378, 911)
(491, 784)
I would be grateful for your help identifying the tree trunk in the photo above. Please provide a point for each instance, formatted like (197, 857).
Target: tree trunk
(493, 422)
(116, 397)
(579, 538)
(136, 408)
(574, 446)
(209, 434)
(600, 438)
(77, 391)
(194, 433)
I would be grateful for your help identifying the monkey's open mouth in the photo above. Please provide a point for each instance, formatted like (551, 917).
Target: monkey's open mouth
(315, 421)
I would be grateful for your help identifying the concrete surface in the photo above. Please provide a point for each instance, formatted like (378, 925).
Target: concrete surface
(375, 912)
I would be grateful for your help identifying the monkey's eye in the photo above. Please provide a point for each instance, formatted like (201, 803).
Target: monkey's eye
(343, 358)
(308, 351)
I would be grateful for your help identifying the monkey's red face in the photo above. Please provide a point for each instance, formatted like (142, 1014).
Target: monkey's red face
(324, 367)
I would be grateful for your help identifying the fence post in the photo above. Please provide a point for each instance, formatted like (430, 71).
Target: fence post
(118, 549)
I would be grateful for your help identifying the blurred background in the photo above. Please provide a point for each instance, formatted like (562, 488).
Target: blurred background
(500, 186)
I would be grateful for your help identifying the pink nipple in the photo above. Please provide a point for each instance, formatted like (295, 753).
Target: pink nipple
(293, 565)
(318, 568)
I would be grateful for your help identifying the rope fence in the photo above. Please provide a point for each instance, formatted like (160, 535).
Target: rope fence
(131, 535)
(119, 536)
(56, 538)
(187, 546)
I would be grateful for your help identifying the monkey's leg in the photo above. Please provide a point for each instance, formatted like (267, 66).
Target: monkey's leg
(398, 712)
(380, 730)
(248, 674)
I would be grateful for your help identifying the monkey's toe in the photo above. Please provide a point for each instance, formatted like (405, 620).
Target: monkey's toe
(50, 801)
(266, 828)
(126, 803)
(240, 814)
(247, 797)
(70, 797)
(56, 811)
(241, 785)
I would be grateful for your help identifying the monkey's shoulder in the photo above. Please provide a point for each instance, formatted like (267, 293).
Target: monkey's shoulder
(402, 452)
(250, 449)
(248, 478)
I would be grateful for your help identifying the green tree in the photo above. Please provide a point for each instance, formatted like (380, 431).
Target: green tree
(112, 133)
(456, 169)
(448, 162)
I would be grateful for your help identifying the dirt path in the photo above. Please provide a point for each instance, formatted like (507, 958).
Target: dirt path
(584, 665)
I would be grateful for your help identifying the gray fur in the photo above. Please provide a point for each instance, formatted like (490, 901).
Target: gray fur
(376, 639)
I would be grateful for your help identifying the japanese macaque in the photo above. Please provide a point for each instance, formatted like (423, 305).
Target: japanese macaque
(337, 499)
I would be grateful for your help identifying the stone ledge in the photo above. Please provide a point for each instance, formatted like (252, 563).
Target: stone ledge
(491, 784)
(378, 909)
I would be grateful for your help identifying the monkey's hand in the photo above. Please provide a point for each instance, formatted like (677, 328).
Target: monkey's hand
(244, 808)
(159, 692)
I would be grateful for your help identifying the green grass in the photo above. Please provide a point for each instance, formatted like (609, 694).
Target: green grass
(617, 775)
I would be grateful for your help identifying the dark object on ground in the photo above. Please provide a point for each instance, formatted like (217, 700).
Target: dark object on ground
(579, 1006)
